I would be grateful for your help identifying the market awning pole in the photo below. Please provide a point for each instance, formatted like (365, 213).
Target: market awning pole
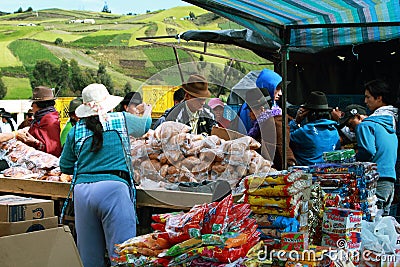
(179, 64)
(284, 51)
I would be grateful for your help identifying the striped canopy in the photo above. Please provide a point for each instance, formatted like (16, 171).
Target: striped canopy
(312, 23)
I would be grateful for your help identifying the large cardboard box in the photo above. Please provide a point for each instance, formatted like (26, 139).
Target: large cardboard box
(16, 208)
(225, 134)
(12, 228)
(47, 248)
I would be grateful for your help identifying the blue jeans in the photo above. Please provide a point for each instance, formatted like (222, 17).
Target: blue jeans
(104, 216)
(385, 194)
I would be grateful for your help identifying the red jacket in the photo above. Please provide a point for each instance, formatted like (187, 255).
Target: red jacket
(47, 131)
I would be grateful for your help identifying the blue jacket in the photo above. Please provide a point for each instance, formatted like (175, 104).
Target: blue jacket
(311, 140)
(377, 142)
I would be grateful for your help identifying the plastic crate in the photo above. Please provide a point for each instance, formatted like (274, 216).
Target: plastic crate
(62, 106)
(161, 97)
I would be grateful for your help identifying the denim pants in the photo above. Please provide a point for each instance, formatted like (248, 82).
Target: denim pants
(385, 194)
(104, 216)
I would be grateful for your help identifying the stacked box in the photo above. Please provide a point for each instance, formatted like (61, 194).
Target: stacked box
(341, 228)
(349, 185)
(279, 202)
(22, 214)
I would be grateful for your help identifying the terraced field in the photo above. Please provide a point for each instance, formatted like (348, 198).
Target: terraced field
(110, 41)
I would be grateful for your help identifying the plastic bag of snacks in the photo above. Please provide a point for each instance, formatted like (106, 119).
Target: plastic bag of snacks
(186, 226)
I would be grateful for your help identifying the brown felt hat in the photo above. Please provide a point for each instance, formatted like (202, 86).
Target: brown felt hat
(42, 93)
(197, 86)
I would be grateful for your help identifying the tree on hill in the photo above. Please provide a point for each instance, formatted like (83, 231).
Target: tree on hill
(3, 89)
(45, 73)
(19, 10)
(63, 78)
(127, 88)
(192, 15)
(105, 8)
(30, 9)
(105, 78)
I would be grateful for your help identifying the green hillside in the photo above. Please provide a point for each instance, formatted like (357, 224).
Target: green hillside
(26, 38)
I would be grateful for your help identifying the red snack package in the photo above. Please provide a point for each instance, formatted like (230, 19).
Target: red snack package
(217, 218)
(187, 225)
(158, 227)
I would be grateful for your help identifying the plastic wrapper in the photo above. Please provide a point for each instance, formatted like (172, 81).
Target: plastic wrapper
(285, 224)
(140, 260)
(186, 226)
(279, 190)
(340, 156)
(162, 218)
(292, 212)
(279, 202)
(216, 218)
(17, 172)
(279, 178)
(148, 245)
(182, 247)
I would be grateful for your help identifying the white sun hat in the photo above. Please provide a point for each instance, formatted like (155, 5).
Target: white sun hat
(96, 101)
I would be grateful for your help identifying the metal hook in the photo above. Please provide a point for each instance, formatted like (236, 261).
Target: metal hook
(354, 53)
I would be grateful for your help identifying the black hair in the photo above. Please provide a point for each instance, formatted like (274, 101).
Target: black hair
(314, 115)
(380, 88)
(179, 95)
(11, 124)
(130, 98)
(93, 123)
(45, 104)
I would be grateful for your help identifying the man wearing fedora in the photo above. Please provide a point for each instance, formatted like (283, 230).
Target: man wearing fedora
(318, 133)
(267, 129)
(44, 132)
(193, 111)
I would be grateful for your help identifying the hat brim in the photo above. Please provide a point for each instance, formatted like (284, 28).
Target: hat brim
(41, 100)
(316, 107)
(107, 105)
(206, 94)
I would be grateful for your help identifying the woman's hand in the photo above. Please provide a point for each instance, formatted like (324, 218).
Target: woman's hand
(336, 114)
(301, 114)
(26, 137)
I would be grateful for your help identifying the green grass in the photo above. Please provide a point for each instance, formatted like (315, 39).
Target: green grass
(11, 33)
(161, 53)
(7, 59)
(51, 36)
(230, 25)
(94, 41)
(17, 88)
(29, 52)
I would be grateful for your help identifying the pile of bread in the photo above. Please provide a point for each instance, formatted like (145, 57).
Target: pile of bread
(171, 154)
(28, 162)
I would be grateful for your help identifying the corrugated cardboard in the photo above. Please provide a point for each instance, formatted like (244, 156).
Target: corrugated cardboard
(225, 134)
(16, 208)
(12, 228)
(47, 248)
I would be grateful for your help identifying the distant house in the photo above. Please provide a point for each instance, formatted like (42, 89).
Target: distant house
(87, 21)
(27, 24)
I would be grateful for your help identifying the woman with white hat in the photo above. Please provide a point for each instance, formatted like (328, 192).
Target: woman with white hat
(97, 153)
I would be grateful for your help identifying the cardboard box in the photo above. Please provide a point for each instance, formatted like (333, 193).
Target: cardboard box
(339, 220)
(51, 247)
(16, 208)
(225, 134)
(294, 241)
(12, 228)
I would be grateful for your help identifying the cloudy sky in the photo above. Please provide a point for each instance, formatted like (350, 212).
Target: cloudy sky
(116, 6)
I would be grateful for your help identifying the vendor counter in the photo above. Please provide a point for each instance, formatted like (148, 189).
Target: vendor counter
(159, 198)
